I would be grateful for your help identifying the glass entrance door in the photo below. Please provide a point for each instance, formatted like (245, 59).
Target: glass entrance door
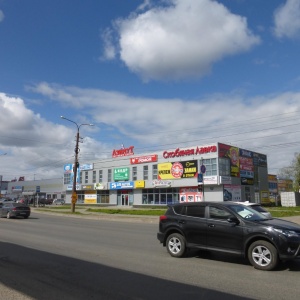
(124, 199)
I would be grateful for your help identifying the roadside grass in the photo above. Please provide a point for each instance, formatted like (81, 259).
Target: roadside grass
(277, 212)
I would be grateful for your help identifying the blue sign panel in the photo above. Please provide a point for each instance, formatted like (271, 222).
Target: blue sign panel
(121, 185)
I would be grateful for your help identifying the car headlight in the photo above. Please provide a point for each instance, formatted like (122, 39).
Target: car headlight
(288, 233)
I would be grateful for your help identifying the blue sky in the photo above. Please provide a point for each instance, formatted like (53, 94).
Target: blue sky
(154, 74)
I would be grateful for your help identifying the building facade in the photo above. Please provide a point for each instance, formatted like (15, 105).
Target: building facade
(214, 172)
(36, 189)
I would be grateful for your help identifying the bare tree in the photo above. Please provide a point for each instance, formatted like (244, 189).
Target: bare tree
(292, 172)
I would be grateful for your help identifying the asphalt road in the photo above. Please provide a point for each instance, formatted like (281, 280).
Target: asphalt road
(54, 257)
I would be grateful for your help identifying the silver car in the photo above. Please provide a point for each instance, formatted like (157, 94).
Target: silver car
(257, 207)
(58, 202)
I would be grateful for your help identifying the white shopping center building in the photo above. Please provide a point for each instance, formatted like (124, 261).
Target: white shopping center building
(214, 172)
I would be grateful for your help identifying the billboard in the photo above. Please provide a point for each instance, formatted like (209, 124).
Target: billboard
(232, 153)
(178, 170)
(121, 174)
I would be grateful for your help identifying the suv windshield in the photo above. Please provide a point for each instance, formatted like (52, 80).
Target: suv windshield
(248, 213)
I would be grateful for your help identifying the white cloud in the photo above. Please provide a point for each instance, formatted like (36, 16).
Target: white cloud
(268, 124)
(181, 40)
(287, 20)
(1, 15)
(34, 145)
(259, 124)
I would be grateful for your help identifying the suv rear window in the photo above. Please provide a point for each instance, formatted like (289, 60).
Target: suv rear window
(196, 211)
(179, 209)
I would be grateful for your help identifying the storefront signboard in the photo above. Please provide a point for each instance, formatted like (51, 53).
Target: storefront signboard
(139, 184)
(99, 186)
(121, 174)
(121, 185)
(190, 194)
(210, 179)
(123, 152)
(143, 159)
(188, 152)
(161, 183)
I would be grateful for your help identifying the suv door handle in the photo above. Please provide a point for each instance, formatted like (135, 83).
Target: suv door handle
(211, 225)
(181, 222)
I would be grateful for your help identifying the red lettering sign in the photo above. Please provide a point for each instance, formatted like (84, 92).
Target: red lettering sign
(143, 159)
(187, 152)
(123, 152)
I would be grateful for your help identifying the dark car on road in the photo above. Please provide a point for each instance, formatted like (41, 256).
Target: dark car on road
(229, 227)
(44, 201)
(13, 210)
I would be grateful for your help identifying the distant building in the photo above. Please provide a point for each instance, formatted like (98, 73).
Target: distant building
(45, 188)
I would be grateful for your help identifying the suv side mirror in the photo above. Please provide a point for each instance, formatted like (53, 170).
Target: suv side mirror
(234, 220)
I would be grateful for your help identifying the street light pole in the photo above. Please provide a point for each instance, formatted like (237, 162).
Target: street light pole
(76, 164)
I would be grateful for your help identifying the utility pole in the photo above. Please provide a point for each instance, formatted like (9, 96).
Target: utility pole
(76, 164)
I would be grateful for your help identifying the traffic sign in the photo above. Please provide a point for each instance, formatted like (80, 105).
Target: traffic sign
(203, 169)
(74, 198)
(200, 177)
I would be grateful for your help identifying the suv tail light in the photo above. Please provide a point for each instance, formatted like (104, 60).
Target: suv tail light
(162, 218)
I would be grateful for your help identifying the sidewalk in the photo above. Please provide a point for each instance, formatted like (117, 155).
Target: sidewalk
(97, 216)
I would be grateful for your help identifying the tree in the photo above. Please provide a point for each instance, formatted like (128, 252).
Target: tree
(292, 172)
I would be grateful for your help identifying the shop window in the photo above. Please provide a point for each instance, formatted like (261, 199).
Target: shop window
(145, 172)
(134, 173)
(211, 166)
(109, 175)
(154, 172)
(67, 178)
(224, 166)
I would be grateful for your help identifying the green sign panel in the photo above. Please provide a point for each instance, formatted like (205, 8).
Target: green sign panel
(121, 174)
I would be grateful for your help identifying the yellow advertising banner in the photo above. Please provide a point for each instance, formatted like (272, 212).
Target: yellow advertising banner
(90, 198)
(177, 170)
(139, 184)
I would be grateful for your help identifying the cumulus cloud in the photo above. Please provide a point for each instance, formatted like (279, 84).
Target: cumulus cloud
(287, 20)
(265, 122)
(180, 40)
(33, 144)
(268, 124)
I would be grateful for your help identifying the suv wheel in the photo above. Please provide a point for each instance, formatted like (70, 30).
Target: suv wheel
(176, 245)
(263, 255)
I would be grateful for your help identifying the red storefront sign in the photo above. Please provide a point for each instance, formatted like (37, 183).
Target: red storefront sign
(123, 152)
(143, 159)
(194, 151)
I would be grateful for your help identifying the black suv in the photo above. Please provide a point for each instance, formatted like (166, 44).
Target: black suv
(232, 228)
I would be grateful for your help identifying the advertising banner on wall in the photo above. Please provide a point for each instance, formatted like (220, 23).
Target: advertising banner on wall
(190, 194)
(260, 160)
(232, 192)
(121, 185)
(178, 170)
(90, 198)
(68, 169)
(99, 186)
(246, 167)
(231, 153)
(121, 174)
